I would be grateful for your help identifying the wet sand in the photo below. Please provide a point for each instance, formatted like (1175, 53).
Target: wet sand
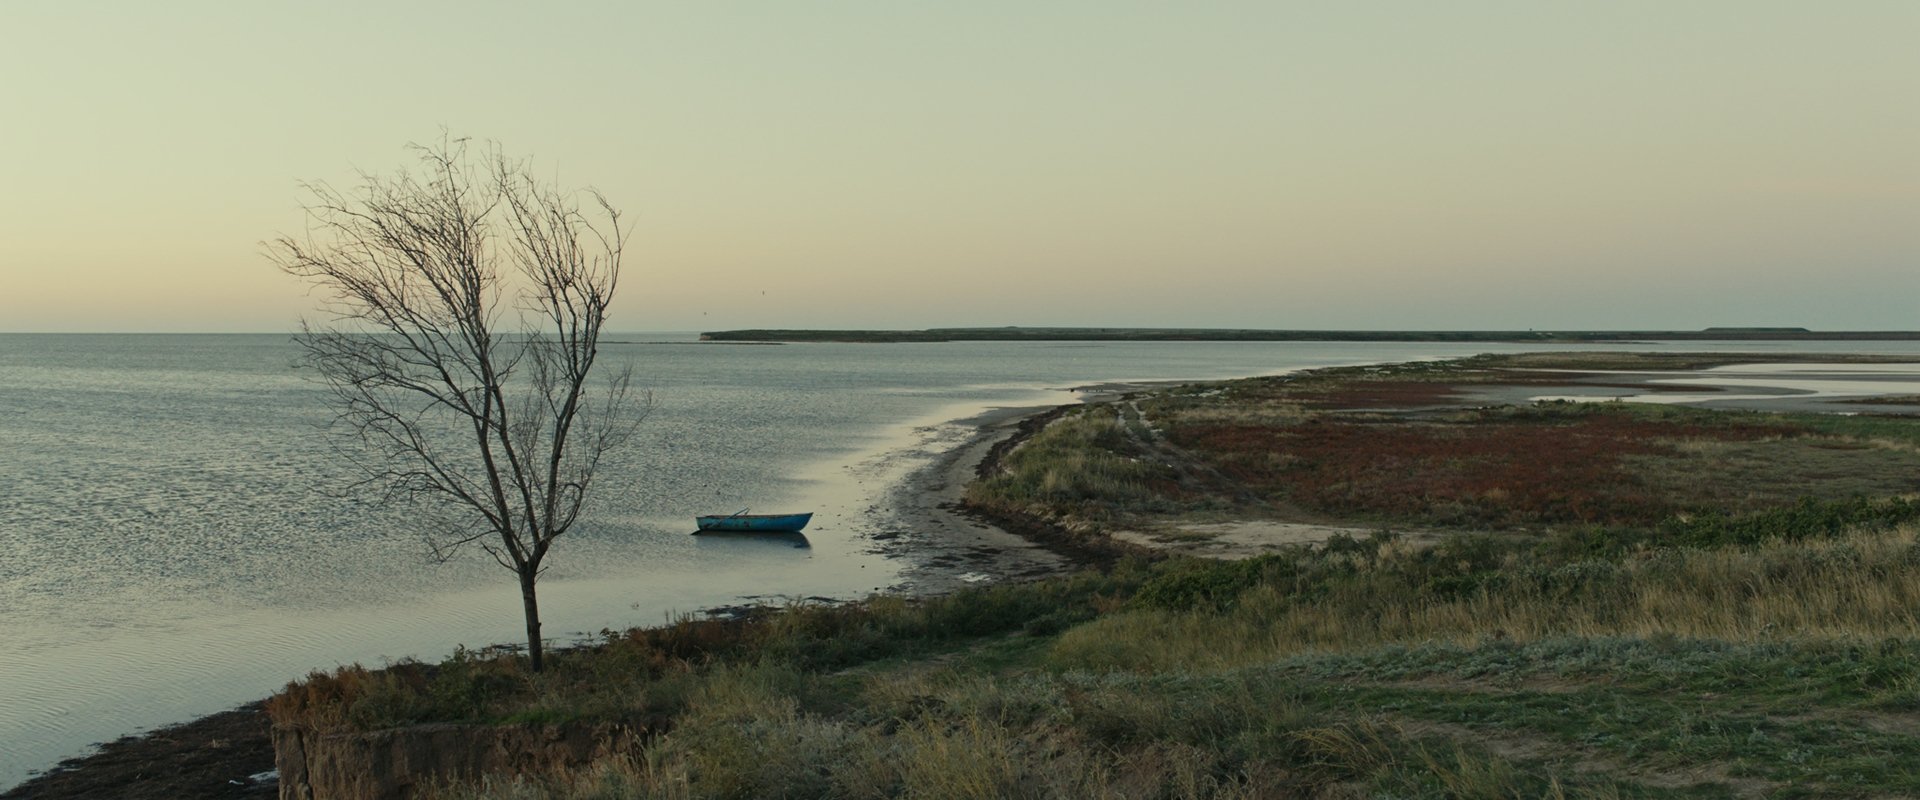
(948, 548)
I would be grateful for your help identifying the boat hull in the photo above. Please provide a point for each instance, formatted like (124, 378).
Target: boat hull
(754, 523)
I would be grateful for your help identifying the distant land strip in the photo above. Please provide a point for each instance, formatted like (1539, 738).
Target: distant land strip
(1015, 334)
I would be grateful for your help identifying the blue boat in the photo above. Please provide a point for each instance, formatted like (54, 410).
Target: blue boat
(754, 523)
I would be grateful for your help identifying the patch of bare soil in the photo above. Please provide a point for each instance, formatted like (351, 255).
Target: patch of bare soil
(1890, 722)
(210, 758)
(1540, 749)
(1249, 538)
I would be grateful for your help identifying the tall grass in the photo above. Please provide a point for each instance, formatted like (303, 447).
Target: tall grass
(1192, 679)
(1083, 468)
(1863, 586)
(662, 670)
(1244, 734)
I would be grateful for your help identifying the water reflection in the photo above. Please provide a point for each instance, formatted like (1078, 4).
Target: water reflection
(749, 539)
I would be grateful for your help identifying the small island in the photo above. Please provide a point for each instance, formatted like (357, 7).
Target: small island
(1059, 334)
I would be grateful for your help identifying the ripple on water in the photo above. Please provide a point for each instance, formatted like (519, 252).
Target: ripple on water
(172, 545)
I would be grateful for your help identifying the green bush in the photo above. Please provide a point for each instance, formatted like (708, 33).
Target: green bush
(1809, 518)
(1190, 584)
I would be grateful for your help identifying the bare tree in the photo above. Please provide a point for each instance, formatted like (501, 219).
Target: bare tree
(467, 303)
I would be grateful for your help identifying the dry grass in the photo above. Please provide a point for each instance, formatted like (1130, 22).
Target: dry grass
(1677, 650)
(1085, 468)
(1315, 447)
(1862, 587)
(1192, 679)
(1751, 475)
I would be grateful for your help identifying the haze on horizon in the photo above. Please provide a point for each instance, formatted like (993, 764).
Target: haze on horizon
(1395, 165)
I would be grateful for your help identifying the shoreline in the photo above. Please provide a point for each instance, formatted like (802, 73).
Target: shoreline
(206, 758)
(946, 548)
(949, 546)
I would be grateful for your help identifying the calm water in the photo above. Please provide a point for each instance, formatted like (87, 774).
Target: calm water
(172, 543)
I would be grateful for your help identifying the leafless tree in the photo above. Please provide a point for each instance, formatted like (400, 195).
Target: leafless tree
(466, 302)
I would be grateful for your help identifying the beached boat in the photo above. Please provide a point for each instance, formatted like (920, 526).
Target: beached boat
(754, 523)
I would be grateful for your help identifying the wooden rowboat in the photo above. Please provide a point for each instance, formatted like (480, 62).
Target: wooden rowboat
(754, 523)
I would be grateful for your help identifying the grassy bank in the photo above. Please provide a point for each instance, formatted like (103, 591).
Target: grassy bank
(1707, 632)
(1480, 668)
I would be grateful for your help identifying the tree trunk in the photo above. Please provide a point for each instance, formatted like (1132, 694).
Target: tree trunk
(534, 654)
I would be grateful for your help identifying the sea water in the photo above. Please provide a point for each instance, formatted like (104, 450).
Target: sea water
(175, 539)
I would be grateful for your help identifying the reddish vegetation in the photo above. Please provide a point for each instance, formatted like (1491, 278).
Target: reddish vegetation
(1380, 394)
(1511, 378)
(1497, 472)
(1414, 394)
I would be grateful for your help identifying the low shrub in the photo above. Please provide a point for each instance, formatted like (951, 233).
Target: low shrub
(1191, 584)
(1085, 466)
(1809, 518)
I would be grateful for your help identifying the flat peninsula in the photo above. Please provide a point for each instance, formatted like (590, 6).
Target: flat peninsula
(1017, 334)
(1427, 580)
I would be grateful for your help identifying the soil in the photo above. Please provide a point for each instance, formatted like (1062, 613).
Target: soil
(944, 548)
(1254, 537)
(210, 758)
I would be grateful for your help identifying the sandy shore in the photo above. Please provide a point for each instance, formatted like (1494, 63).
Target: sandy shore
(948, 548)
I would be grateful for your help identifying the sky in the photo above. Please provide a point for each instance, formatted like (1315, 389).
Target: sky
(1372, 164)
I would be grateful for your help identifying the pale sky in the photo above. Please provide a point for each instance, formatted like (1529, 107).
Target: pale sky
(1414, 164)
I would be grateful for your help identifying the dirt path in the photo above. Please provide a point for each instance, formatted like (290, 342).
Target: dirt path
(1524, 748)
(1191, 470)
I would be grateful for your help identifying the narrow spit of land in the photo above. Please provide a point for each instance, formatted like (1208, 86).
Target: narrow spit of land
(1501, 598)
(1018, 334)
(1427, 450)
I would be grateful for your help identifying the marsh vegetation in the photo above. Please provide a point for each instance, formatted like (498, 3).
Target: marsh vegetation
(1412, 447)
(1626, 601)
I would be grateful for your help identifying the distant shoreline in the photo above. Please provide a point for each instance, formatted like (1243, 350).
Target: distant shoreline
(1017, 334)
(213, 756)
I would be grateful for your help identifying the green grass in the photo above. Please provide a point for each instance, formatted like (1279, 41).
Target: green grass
(1085, 469)
(1877, 429)
(1764, 643)
(1336, 672)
